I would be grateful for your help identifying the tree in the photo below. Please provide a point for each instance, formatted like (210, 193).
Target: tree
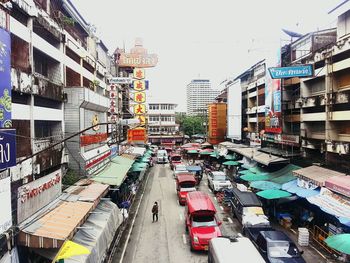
(192, 125)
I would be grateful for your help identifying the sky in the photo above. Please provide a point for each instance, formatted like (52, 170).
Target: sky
(193, 39)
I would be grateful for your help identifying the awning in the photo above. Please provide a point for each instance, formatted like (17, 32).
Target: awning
(250, 177)
(316, 174)
(273, 194)
(292, 187)
(258, 156)
(57, 225)
(85, 190)
(265, 185)
(339, 184)
(136, 151)
(115, 172)
(332, 204)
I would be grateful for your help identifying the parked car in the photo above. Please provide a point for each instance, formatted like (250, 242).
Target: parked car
(217, 180)
(179, 168)
(277, 247)
(233, 249)
(185, 183)
(197, 172)
(200, 219)
(174, 159)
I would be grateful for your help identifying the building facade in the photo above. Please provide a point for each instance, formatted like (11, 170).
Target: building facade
(199, 95)
(162, 128)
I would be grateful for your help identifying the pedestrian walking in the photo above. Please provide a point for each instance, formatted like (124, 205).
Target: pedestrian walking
(155, 212)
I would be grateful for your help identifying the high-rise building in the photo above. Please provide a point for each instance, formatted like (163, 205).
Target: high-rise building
(199, 95)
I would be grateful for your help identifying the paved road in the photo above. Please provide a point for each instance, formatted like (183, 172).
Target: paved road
(166, 240)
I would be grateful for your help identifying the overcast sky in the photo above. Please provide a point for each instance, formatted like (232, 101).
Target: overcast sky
(201, 38)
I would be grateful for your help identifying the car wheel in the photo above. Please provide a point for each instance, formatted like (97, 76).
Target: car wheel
(244, 232)
(191, 247)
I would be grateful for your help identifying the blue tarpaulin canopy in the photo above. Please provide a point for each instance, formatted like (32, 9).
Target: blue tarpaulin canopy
(292, 187)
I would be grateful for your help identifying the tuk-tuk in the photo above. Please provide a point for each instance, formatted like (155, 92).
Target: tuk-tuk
(174, 159)
(197, 171)
(185, 183)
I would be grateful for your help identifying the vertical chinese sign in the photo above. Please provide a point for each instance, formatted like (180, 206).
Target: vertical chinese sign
(5, 79)
(273, 121)
(217, 123)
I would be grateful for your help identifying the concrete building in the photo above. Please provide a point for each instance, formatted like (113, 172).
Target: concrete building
(162, 128)
(199, 95)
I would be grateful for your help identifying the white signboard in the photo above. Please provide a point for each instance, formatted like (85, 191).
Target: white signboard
(5, 197)
(120, 80)
(234, 111)
(37, 194)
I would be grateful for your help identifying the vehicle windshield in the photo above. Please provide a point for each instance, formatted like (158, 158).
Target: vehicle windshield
(219, 178)
(187, 189)
(176, 158)
(204, 221)
(180, 168)
(187, 184)
(282, 249)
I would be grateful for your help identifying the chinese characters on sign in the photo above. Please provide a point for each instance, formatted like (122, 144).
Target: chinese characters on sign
(5, 79)
(137, 135)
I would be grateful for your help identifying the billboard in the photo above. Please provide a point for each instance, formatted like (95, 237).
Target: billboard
(273, 98)
(5, 79)
(234, 110)
(300, 71)
(5, 197)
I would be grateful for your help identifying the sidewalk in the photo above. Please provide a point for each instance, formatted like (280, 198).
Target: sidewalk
(312, 253)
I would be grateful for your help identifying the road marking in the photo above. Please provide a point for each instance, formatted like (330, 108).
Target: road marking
(184, 239)
(205, 183)
(210, 190)
(175, 187)
(230, 220)
(215, 198)
(181, 217)
(221, 207)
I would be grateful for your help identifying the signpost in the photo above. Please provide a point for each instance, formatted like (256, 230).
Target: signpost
(301, 71)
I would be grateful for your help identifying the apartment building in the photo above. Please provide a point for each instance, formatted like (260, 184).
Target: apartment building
(199, 95)
(162, 128)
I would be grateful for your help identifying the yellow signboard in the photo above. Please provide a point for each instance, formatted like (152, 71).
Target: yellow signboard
(139, 73)
(142, 119)
(139, 97)
(139, 85)
(139, 109)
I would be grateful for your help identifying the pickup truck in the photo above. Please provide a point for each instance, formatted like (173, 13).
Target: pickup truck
(274, 246)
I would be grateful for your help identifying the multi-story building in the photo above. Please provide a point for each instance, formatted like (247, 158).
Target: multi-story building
(162, 128)
(199, 95)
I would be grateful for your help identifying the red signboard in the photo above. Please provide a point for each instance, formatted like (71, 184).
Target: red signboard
(92, 138)
(137, 135)
(97, 160)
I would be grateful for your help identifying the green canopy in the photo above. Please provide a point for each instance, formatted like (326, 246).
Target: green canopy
(244, 172)
(115, 172)
(215, 154)
(257, 170)
(205, 153)
(136, 164)
(339, 242)
(273, 194)
(231, 163)
(137, 169)
(265, 185)
(192, 151)
(254, 177)
(230, 157)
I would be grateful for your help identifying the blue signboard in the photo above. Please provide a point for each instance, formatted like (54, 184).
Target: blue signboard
(7, 148)
(5, 79)
(114, 151)
(290, 72)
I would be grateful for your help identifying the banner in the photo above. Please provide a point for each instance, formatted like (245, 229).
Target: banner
(137, 135)
(7, 148)
(92, 138)
(273, 121)
(5, 197)
(5, 79)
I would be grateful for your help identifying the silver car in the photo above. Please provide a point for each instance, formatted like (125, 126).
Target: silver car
(217, 180)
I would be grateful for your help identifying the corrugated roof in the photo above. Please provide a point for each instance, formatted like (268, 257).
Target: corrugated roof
(90, 191)
(260, 157)
(54, 227)
(316, 174)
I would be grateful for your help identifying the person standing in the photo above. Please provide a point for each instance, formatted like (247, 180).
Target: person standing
(155, 212)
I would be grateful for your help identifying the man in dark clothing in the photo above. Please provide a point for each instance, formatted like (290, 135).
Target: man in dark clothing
(155, 211)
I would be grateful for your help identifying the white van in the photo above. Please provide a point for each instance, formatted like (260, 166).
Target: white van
(162, 156)
(230, 250)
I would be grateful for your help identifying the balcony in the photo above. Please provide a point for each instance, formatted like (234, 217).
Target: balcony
(44, 87)
(319, 116)
(292, 118)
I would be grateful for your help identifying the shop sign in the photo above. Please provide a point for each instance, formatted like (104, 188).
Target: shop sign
(92, 138)
(37, 194)
(139, 97)
(338, 188)
(120, 80)
(114, 151)
(93, 162)
(290, 139)
(301, 71)
(5, 197)
(7, 148)
(139, 85)
(142, 119)
(139, 73)
(137, 135)
(5, 79)
(146, 85)
(139, 109)
(137, 60)
(273, 119)
(95, 121)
